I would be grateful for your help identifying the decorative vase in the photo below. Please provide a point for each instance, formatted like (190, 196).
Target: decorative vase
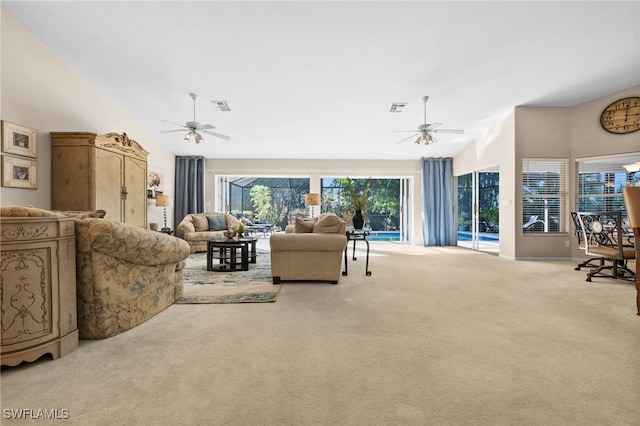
(358, 220)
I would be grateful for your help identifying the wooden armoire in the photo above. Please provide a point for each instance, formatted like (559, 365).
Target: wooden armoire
(100, 172)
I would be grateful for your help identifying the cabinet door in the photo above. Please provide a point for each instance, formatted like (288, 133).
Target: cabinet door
(109, 182)
(29, 287)
(72, 178)
(135, 179)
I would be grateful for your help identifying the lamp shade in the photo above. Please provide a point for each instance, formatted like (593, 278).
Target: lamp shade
(163, 201)
(311, 200)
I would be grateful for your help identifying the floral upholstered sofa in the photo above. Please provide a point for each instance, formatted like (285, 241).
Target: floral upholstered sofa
(124, 274)
(198, 228)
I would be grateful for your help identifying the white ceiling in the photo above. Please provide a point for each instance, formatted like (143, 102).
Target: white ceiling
(316, 79)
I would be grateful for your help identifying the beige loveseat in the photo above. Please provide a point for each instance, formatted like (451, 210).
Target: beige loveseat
(195, 229)
(124, 274)
(310, 250)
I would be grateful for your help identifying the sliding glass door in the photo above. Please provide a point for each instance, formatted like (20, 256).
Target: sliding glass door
(478, 201)
(387, 209)
(274, 200)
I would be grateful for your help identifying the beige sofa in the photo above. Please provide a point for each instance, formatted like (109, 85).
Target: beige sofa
(310, 250)
(124, 274)
(195, 229)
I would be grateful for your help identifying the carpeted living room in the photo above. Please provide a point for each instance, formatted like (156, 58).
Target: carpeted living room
(420, 341)
(134, 134)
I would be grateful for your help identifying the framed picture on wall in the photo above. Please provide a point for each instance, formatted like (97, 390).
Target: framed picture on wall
(19, 140)
(19, 172)
(155, 180)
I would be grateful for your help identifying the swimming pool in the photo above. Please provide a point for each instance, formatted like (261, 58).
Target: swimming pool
(462, 236)
(384, 236)
(466, 236)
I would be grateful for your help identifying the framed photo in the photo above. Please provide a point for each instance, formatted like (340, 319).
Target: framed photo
(19, 173)
(19, 140)
(155, 179)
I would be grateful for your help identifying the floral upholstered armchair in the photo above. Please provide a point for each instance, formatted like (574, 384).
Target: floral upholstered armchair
(124, 274)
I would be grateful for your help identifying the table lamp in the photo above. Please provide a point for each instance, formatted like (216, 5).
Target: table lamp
(164, 201)
(311, 200)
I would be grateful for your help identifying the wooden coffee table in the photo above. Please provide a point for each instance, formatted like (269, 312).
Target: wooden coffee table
(232, 255)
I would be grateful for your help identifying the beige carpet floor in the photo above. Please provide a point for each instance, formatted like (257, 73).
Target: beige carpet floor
(436, 336)
(252, 286)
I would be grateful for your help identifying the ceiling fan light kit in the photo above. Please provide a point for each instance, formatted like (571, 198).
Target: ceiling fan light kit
(425, 139)
(426, 130)
(194, 128)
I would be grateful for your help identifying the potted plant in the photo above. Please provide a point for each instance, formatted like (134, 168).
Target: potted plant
(240, 230)
(357, 201)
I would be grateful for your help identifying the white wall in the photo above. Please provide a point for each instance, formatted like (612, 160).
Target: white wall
(317, 169)
(542, 132)
(588, 139)
(496, 148)
(40, 91)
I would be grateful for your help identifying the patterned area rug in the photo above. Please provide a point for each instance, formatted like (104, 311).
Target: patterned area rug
(254, 285)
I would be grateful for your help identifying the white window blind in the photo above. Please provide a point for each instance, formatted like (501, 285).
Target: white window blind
(600, 182)
(544, 195)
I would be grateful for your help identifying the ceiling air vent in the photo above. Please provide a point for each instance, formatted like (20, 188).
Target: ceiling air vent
(221, 106)
(397, 106)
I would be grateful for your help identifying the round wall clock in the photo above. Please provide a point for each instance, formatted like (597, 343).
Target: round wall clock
(622, 116)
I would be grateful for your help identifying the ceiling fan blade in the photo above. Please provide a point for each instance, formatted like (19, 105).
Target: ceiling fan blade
(218, 135)
(177, 130)
(176, 124)
(205, 127)
(405, 131)
(434, 125)
(451, 131)
(408, 138)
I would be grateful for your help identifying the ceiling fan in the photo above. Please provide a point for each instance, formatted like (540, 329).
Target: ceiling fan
(194, 128)
(426, 130)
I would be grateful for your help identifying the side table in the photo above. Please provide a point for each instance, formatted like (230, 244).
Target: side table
(356, 235)
(226, 251)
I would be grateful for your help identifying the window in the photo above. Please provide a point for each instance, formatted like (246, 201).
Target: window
(384, 213)
(544, 195)
(600, 182)
(273, 200)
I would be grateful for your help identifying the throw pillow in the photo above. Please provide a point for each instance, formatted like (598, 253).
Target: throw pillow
(327, 223)
(303, 226)
(200, 222)
(217, 223)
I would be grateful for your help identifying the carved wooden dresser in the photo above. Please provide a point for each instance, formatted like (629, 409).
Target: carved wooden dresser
(38, 288)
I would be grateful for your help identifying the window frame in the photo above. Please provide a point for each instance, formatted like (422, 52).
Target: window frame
(609, 199)
(561, 196)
